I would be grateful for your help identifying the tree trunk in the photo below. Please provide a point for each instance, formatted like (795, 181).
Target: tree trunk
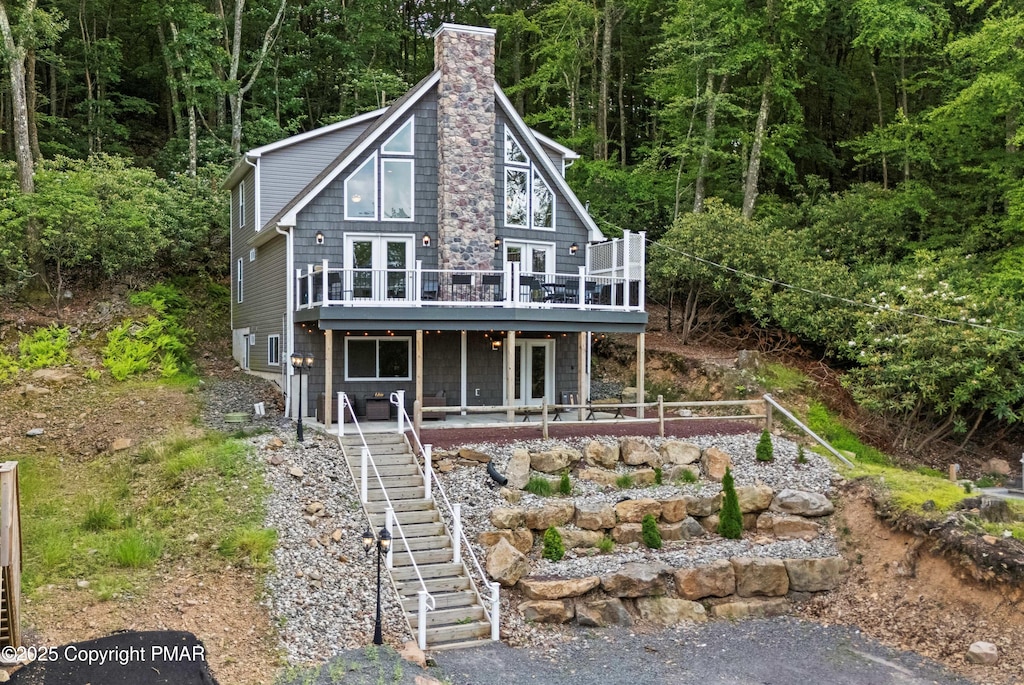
(689, 315)
(172, 83)
(30, 95)
(601, 145)
(19, 115)
(709, 139)
(243, 85)
(754, 168)
(881, 125)
(906, 113)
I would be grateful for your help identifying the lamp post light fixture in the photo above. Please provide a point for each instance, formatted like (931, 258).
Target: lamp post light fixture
(382, 543)
(302, 363)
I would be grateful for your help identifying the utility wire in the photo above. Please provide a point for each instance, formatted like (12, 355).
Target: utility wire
(836, 298)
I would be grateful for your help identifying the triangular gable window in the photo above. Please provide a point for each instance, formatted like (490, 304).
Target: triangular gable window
(514, 151)
(401, 142)
(529, 200)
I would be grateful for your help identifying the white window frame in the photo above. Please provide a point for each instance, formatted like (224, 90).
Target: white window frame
(372, 159)
(252, 254)
(241, 203)
(531, 171)
(526, 172)
(274, 350)
(377, 338)
(527, 245)
(411, 125)
(412, 188)
(239, 281)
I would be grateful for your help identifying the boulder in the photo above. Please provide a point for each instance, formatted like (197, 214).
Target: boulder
(710, 523)
(751, 608)
(754, 498)
(995, 510)
(573, 537)
(511, 496)
(547, 611)
(29, 390)
(644, 477)
(815, 575)
(506, 564)
(602, 612)
(673, 510)
(714, 462)
(787, 527)
(554, 461)
(757, 576)
(628, 533)
(670, 532)
(634, 510)
(599, 476)
(508, 517)
(275, 443)
(674, 472)
(518, 470)
(553, 514)
(717, 579)
(473, 455)
(637, 451)
(982, 653)
(601, 455)
(412, 653)
(749, 521)
(52, 375)
(557, 588)
(801, 503)
(637, 579)
(668, 611)
(691, 528)
(678, 452)
(594, 516)
(703, 506)
(999, 467)
(520, 538)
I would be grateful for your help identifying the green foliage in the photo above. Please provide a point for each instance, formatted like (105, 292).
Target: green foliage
(624, 482)
(606, 544)
(801, 455)
(92, 375)
(249, 545)
(780, 378)
(687, 476)
(136, 550)
(909, 490)
(99, 516)
(650, 533)
(565, 484)
(44, 347)
(554, 549)
(538, 485)
(157, 342)
(658, 474)
(828, 426)
(989, 480)
(8, 368)
(765, 450)
(730, 519)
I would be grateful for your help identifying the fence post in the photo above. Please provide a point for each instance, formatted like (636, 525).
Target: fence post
(363, 467)
(661, 415)
(544, 419)
(457, 533)
(495, 609)
(428, 470)
(768, 419)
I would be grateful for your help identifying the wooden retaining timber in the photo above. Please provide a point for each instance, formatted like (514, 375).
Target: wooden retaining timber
(10, 556)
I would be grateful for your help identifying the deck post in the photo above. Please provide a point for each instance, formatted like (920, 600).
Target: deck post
(341, 414)
(419, 374)
(641, 362)
(328, 373)
(510, 376)
(544, 419)
(401, 411)
(456, 533)
(582, 384)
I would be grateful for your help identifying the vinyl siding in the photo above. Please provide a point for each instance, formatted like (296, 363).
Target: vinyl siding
(265, 292)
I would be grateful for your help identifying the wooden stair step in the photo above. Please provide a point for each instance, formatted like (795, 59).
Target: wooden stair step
(356, 460)
(380, 506)
(426, 556)
(457, 633)
(388, 470)
(373, 439)
(420, 530)
(443, 570)
(390, 482)
(356, 451)
(454, 616)
(422, 543)
(442, 600)
(395, 494)
(433, 585)
(408, 517)
(464, 644)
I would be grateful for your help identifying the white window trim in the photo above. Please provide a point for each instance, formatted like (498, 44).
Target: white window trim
(276, 347)
(241, 203)
(411, 123)
(518, 170)
(239, 281)
(548, 247)
(378, 338)
(252, 254)
(412, 188)
(372, 159)
(536, 175)
(531, 170)
(510, 137)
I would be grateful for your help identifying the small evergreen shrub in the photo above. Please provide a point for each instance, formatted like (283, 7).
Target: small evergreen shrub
(606, 544)
(765, 449)
(538, 485)
(564, 484)
(554, 549)
(658, 473)
(650, 533)
(801, 456)
(624, 481)
(730, 519)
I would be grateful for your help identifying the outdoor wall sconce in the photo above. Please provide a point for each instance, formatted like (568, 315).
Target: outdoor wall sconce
(426, 240)
(495, 345)
(319, 238)
(573, 249)
(497, 243)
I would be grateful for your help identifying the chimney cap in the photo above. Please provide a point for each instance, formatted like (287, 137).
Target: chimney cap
(462, 28)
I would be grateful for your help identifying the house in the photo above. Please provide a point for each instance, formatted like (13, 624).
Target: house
(431, 246)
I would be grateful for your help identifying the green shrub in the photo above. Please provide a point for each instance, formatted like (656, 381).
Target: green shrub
(658, 474)
(730, 519)
(44, 347)
(801, 456)
(687, 476)
(554, 549)
(100, 516)
(828, 426)
(989, 480)
(765, 449)
(136, 347)
(650, 533)
(625, 481)
(538, 485)
(8, 368)
(606, 544)
(134, 550)
(564, 484)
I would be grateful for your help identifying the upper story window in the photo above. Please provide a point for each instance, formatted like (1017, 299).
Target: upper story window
(388, 184)
(239, 281)
(241, 204)
(529, 201)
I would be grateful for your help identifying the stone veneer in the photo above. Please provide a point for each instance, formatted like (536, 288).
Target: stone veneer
(465, 146)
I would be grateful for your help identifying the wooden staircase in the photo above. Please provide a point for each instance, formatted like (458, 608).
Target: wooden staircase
(458, 618)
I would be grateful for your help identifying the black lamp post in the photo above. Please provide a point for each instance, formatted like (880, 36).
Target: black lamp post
(383, 543)
(302, 363)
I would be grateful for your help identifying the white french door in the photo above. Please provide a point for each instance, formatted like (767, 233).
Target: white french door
(533, 258)
(534, 371)
(379, 267)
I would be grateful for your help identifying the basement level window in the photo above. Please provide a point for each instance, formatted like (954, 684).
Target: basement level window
(378, 358)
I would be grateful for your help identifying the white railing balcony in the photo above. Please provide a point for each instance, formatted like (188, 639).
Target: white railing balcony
(324, 285)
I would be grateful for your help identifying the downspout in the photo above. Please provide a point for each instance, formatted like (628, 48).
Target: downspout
(289, 290)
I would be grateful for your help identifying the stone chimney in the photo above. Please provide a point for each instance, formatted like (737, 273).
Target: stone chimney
(465, 146)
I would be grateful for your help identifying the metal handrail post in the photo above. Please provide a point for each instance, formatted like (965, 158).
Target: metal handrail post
(401, 413)
(421, 624)
(428, 471)
(495, 611)
(389, 523)
(364, 467)
(457, 533)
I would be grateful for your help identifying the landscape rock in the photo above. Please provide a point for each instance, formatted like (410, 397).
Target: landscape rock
(594, 516)
(275, 443)
(634, 510)
(637, 451)
(787, 527)
(52, 375)
(674, 472)
(511, 496)
(751, 608)
(644, 477)
(801, 503)
(670, 532)
(553, 461)
(995, 510)
(599, 476)
(599, 613)
(998, 467)
(674, 509)
(520, 538)
(473, 455)
(508, 517)
(691, 528)
(601, 455)
(717, 579)
(815, 575)
(679, 452)
(314, 507)
(557, 588)
(548, 611)
(296, 472)
(754, 498)
(714, 462)
(29, 390)
(703, 506)
(710, 523)
(637, 579)
(553, 514)
(573, 538)
(982, 652)
(518, 470)
(506, 564)
(412, 653)
(628, 533)
(757, 576)
(668, 611)
(34, 432)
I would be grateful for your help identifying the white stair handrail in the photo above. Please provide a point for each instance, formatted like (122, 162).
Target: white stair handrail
(391, 524)
(458, 534)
